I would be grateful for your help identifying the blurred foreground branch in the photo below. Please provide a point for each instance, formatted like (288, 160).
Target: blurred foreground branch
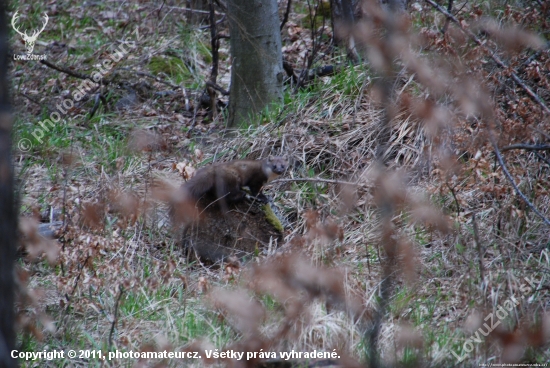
(493, 56)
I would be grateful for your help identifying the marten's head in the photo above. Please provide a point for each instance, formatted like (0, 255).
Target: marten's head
(274, 166)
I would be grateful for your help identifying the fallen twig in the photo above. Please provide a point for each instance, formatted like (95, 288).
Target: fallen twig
(540, 157)
(66, 71)
(99, 97)
(319, 180)
(536, 147)
(30, 98)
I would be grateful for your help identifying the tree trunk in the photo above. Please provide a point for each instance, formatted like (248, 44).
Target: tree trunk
(257, 62)
(395, 6)
(342, 14)
(8, 217)
(343, 20)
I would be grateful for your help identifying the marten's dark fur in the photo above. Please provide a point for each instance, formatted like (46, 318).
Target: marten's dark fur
(225, 181)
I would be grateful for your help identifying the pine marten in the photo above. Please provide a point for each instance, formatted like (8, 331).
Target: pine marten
(225, 181)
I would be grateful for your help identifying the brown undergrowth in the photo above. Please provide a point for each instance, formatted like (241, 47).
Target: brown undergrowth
(400, 253)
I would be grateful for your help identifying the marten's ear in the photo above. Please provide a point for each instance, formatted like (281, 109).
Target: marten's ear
(270, 158)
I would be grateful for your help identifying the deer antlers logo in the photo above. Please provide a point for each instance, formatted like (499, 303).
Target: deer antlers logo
(29, 40)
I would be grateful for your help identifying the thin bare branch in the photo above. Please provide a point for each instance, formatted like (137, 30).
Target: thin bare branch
(217, 88)
(287, 11)
(115, 317)
(479, 250)
(511, 180)
(449, 10)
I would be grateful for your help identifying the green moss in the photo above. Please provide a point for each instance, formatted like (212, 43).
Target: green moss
(271, 218)
(170, 65)
(205, 52)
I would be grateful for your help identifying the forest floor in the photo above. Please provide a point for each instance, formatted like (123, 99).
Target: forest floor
(469, 250)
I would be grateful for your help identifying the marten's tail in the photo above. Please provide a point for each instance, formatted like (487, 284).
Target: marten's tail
(182, 207)
(198, 186)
